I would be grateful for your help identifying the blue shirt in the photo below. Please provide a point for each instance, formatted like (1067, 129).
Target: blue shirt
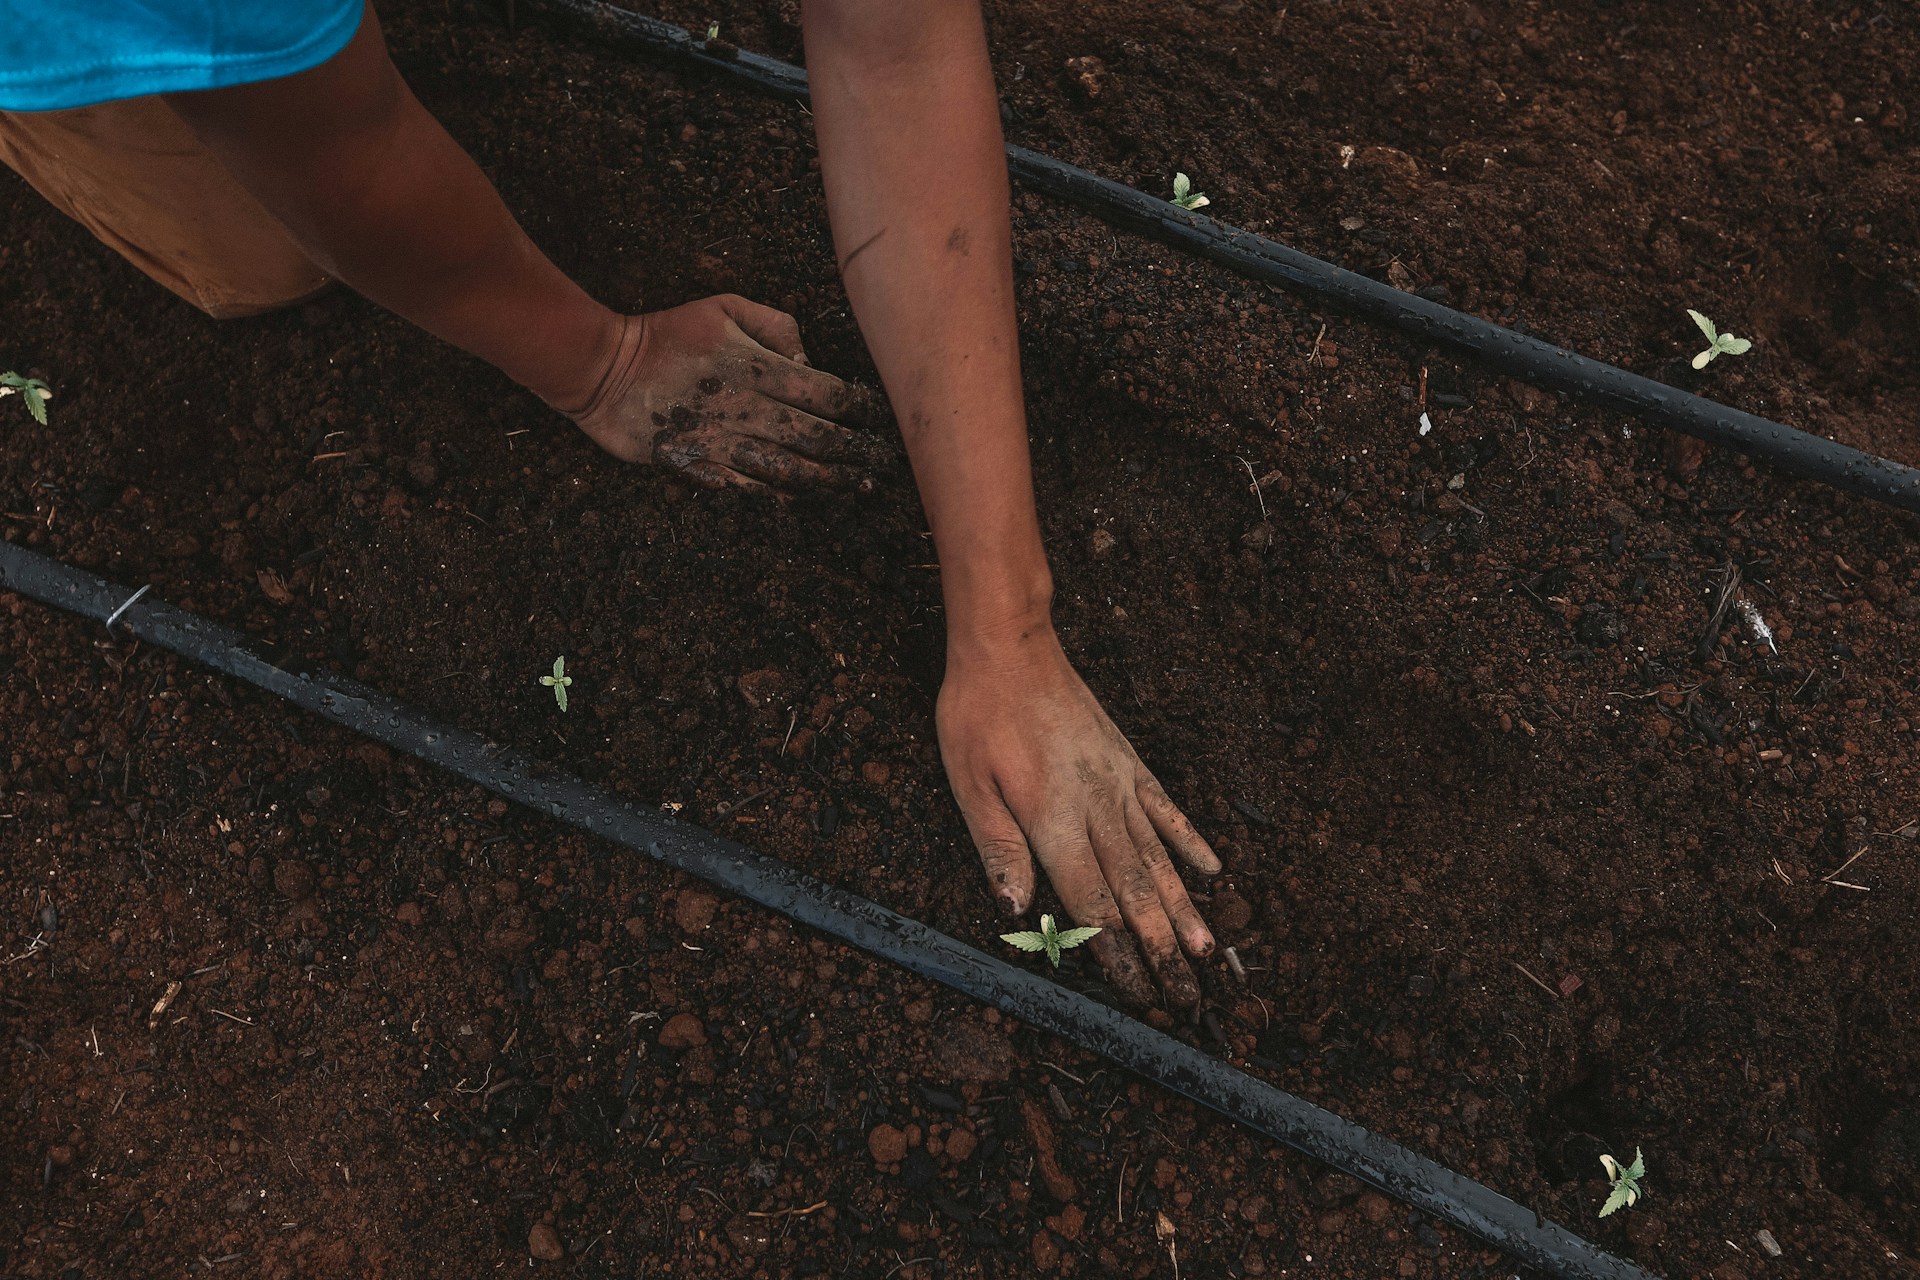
(75, 53)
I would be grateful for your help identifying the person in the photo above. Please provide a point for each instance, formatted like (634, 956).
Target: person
(246, 155)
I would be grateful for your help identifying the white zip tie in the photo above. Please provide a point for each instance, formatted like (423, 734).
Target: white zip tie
(115, 615)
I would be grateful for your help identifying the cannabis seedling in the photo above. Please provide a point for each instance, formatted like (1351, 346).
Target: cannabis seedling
(1718, 343)
(713, 32)
(1185, 196)
(558, 681)
(32, 392)
(1626, 1182)
(1049, 939)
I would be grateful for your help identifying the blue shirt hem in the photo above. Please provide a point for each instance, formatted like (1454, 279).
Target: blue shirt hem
(58, 88)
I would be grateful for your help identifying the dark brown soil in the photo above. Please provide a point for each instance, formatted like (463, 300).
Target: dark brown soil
(1438, 699)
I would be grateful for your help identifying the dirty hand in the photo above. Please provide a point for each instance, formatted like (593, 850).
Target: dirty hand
(1041, 772)
(720, 391)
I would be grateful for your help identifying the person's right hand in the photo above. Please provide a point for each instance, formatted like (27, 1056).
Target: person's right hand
(1043, 775)
(720, 391)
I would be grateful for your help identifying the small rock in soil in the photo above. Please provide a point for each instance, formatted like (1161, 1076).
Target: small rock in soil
(972, 1054)
(694, 910)
(683, 1031)
(748, 1235)
(764, 687)
(1091, 75)
(293, 878)
(1046, 1157)
(1046, 1254)
(888, 1144)
(1230, 911)
(543, 1242)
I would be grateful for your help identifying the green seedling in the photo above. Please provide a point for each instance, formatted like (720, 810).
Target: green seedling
(713, 32)
(1049, 939)
(558, 681)
(1718, 343)
(1626, 1182)
(32, 392)
(1185, 196)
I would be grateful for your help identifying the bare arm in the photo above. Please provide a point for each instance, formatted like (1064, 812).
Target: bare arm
(916, 182)
(381, 198)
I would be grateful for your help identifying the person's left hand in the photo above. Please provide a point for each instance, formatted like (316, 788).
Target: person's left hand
(1040, 771)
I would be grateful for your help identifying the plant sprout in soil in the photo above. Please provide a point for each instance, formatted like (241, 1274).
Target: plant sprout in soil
(32, 392)
(1718, 344)
(1185, 196)
(1625, 1180)
(1049, 939)
(558, 681)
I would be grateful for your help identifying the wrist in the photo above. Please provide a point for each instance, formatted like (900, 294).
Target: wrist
(1010, 624)
(599, 373)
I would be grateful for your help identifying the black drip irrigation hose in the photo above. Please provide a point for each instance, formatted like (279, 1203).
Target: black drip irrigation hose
(1796, 452)
(1420, 1182)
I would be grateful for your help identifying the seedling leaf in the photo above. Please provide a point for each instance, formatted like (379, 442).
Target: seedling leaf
(1184, 195)
(1049, 939)
(558, 681)
(1718, 343)
(1626, 1182)
(32, 392)
(1619, 1198)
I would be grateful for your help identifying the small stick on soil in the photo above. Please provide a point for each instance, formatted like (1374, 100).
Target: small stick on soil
(786, 1213)
(1831, 876)
(1717, 616)
(1119, 1194)
(1534, 980)
(1233, 963)
(232, 1017)
(726, 811)
(1255, 485)
(161, 1005)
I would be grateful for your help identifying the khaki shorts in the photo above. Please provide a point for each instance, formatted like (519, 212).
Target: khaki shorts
(135, 175)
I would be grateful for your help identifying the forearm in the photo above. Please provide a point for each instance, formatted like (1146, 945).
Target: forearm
(381, 198)
(916, 182)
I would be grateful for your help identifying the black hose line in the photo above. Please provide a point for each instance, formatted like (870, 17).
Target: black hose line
(1796, 452)
(1159, 1058)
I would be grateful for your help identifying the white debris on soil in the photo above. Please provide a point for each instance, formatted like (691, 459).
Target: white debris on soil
(1426, 424)
(1768, 1243)
(1756, 625)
